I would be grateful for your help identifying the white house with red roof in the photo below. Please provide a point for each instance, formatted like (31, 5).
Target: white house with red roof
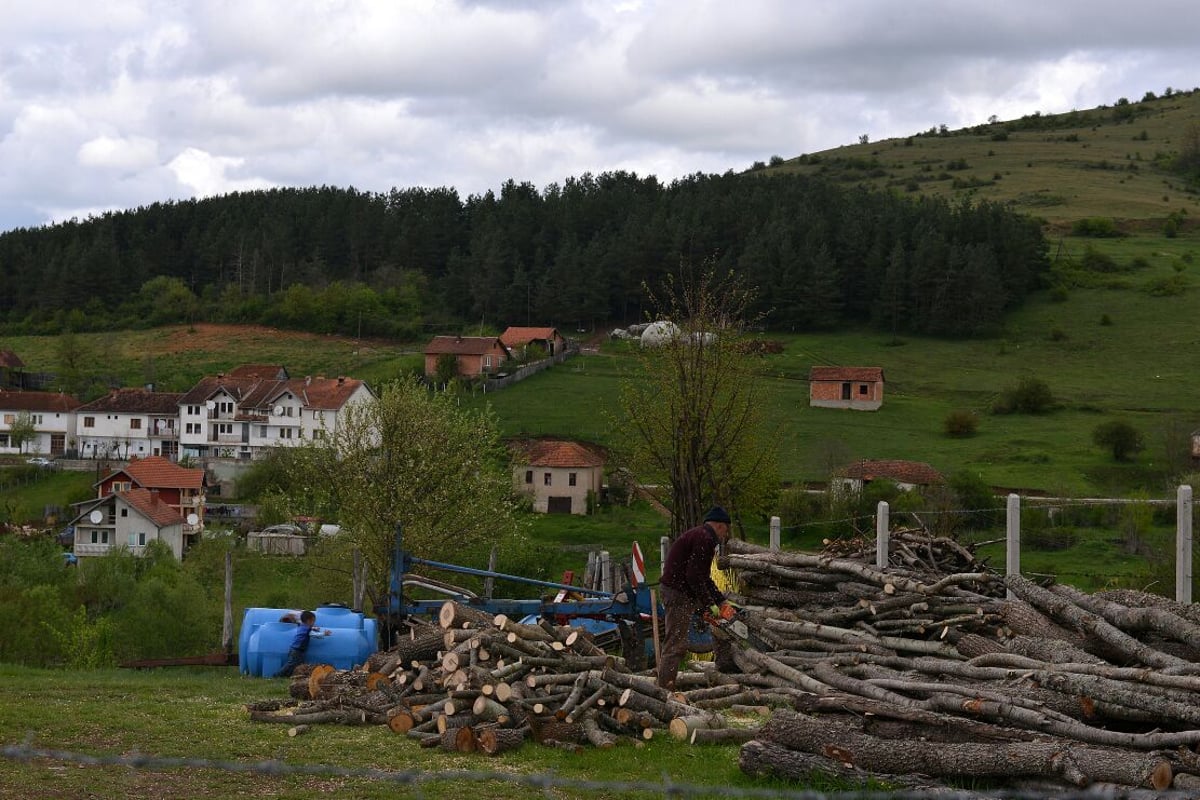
(243, 414)
(562, 477)
(52, 415)
(906, 475)
(129, 518)
(129, 423)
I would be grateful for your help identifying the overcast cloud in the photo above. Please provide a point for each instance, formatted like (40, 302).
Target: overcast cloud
(124, 103)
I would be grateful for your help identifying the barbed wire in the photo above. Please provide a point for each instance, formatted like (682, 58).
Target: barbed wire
(549, 781)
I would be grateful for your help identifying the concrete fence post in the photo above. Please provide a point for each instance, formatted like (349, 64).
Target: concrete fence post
(1013, 550)
(1183, 544)
(775, 533)
(881, 534)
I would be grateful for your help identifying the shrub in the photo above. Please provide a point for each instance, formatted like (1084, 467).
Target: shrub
(1119, 438)
(1030, 396)
(1096, 227)
(961, 424)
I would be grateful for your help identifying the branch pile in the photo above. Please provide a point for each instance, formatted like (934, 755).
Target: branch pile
(928, 667)
(487, 684)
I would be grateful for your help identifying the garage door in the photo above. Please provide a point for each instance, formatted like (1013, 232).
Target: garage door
(558, 505)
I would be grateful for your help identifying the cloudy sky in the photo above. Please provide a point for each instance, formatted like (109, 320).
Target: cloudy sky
(123, 103)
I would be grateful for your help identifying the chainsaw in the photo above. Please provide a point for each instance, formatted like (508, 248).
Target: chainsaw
(736, 630)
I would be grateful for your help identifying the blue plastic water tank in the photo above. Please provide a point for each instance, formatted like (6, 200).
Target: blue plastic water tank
(264, 641)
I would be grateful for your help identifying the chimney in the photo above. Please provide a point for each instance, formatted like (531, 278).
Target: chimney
(341, 380)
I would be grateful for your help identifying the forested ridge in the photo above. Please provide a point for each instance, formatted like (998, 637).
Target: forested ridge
(575, 255)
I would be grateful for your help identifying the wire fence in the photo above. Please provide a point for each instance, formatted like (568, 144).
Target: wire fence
(420, 782)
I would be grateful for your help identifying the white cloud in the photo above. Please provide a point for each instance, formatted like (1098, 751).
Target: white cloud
(207, 176)
(154, 100)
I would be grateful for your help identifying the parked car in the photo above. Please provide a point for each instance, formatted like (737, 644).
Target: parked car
(40, 461)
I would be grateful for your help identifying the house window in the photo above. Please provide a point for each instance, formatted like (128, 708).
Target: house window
(571, 479)
(487, 362)
(89, 422)
(285, 433)
(193, 427)
(318, 434)
(288, 411)
(122, 486)
(193, 411)
(546, 479)
(9, 419)
(225, 407)
(529, 476)
(135, 424)
(124, 512)
(862, 389)
(137, 540)
(3, 440)
(262, 431)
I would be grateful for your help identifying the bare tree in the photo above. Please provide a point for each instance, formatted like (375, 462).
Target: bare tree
(692, 427)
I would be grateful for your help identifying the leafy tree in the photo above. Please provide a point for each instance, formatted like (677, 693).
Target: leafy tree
(22, 430)
(691, 422)
(414, 458)
(1119, 438)
(76, 362)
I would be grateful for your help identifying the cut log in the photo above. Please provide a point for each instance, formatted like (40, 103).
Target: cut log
(1075, 764)
(494, 741)
(453, 614)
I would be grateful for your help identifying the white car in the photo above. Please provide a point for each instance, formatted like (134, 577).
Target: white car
(39, 461)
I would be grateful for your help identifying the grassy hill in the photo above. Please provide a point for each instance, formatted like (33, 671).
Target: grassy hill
(1106, 162)
(1114, 338)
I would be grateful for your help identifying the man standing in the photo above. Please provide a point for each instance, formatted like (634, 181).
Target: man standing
(687, 588)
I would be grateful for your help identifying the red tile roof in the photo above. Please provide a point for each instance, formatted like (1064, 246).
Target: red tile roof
(846, 374)
(915, 472)
(556, 453)
(37, 401)
(156, 472)
(516, 336)
(135, 401)
(151, 506)
(9, 359)
(464, 345)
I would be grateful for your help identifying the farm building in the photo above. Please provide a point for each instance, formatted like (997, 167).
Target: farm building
(905, 474)
(858, 388)
(559, 475)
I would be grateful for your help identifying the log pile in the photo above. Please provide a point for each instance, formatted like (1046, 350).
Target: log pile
(939, 667)
(935, 666)
(478, 683)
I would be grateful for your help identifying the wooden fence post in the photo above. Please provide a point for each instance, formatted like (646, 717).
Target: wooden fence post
(881, 534)
(664, 544)
(1183, 544)
(774, 533)
(1013, 551)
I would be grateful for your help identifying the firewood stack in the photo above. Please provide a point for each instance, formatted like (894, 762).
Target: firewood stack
(920, 668)
(934, 665)
(478, 683)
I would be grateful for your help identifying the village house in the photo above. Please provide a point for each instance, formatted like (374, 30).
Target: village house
(562, 477)
(473, 355)
(12, 370)
(907, 475)
(131, 519)
(858, 388)
(520, 341)
(51, 414)
(255, 407)
(129, 423)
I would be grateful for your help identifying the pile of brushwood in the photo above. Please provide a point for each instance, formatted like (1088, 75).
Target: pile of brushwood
(934, 668)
